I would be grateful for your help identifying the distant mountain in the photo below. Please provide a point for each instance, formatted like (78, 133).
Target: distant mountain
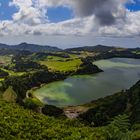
(3, 46)
(97, 48)
(30, 47)
(46, 48)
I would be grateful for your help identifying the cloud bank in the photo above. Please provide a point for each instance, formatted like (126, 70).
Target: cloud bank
(91, 17)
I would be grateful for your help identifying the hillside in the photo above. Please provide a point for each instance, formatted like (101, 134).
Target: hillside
(18, 123)
(30, 47)
(102, 110)
(31, 125)
(97, 48)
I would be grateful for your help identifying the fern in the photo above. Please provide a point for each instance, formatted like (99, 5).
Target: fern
(118, 129)
(122, 122)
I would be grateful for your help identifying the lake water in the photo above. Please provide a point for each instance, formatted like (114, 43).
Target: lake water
(119, 74)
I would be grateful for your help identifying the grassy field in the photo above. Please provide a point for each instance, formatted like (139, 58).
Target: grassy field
(5, 59)
(12, 73)
(136, 52)
(62, 66)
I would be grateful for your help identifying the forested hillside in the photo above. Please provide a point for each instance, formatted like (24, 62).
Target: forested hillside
(102, 110)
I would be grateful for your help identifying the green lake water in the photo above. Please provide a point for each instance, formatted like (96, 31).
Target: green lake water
(119, 74)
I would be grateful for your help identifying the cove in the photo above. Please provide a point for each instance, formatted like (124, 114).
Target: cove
(119, 74)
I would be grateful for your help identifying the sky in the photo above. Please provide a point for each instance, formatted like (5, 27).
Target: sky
(70, 23)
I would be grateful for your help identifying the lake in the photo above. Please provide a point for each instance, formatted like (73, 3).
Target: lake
(119, 74)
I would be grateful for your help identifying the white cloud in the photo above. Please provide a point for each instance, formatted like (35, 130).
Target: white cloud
(31, 19)
(29, 12)
(129, 27)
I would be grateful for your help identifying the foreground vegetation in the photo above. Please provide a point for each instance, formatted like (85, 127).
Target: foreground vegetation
(19, 123)
(96, 123)
(102, 110)
(30, 125)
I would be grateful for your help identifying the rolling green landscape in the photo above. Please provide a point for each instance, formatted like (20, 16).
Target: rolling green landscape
(69, 69)
(85, 93)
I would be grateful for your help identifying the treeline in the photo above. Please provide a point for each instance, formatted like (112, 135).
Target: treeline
(23, 83)
(21, 63)
(120, 54)
(6, 51)
(40, 55)
(3, 74)
(87, 67)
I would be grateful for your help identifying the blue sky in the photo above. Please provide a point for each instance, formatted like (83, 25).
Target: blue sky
(135, 6)
(24, 20)
(60, 13)
(55, 14)
(6, 11)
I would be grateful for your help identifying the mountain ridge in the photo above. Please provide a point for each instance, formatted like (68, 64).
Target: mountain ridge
(30, 47)
(35, 48)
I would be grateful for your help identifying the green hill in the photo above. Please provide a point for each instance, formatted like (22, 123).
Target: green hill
(104, 109)
(18, 123)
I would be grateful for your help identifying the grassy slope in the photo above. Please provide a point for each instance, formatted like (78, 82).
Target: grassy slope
(5, 59)
(18, 123)
(12, 73)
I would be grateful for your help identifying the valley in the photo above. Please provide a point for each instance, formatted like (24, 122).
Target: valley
(69, 69)
(88, 86)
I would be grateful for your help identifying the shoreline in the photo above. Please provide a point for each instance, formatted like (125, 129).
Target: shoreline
(45, 84)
